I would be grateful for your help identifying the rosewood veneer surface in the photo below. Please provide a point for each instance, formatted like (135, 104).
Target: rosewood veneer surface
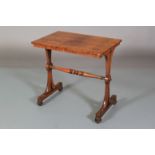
(77, 43)
(81, 44)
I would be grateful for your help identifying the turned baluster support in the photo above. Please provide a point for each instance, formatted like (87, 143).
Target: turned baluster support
(108, 101)
(50, 87)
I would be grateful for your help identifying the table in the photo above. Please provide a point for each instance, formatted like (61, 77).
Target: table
(86, 45)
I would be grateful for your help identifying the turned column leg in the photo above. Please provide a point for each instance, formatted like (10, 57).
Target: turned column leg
(50, 83)
(50, 87)
(108, 101)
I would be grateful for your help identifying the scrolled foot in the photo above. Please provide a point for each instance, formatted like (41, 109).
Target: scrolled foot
(113, 99)
(47, 93)
(39, 102)
(98, 119)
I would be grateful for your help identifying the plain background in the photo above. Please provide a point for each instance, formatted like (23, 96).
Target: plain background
(23, 77)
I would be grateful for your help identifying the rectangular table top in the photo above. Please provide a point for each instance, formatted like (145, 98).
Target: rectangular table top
(76, 43)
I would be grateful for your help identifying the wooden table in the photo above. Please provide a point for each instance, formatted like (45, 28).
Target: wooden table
(80, 44)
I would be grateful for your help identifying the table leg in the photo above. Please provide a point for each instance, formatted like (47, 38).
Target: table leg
(108, 101)
(51, 87)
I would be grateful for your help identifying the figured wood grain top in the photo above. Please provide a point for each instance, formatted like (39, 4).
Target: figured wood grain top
(77, 43)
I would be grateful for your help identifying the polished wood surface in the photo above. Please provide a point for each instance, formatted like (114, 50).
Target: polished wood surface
(76, 43)
(75, 72)
(83, 45)
(108, 101)
(50, 87)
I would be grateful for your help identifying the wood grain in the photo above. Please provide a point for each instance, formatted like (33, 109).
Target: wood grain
(76, 43)
(75, 72)
(87, 45)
